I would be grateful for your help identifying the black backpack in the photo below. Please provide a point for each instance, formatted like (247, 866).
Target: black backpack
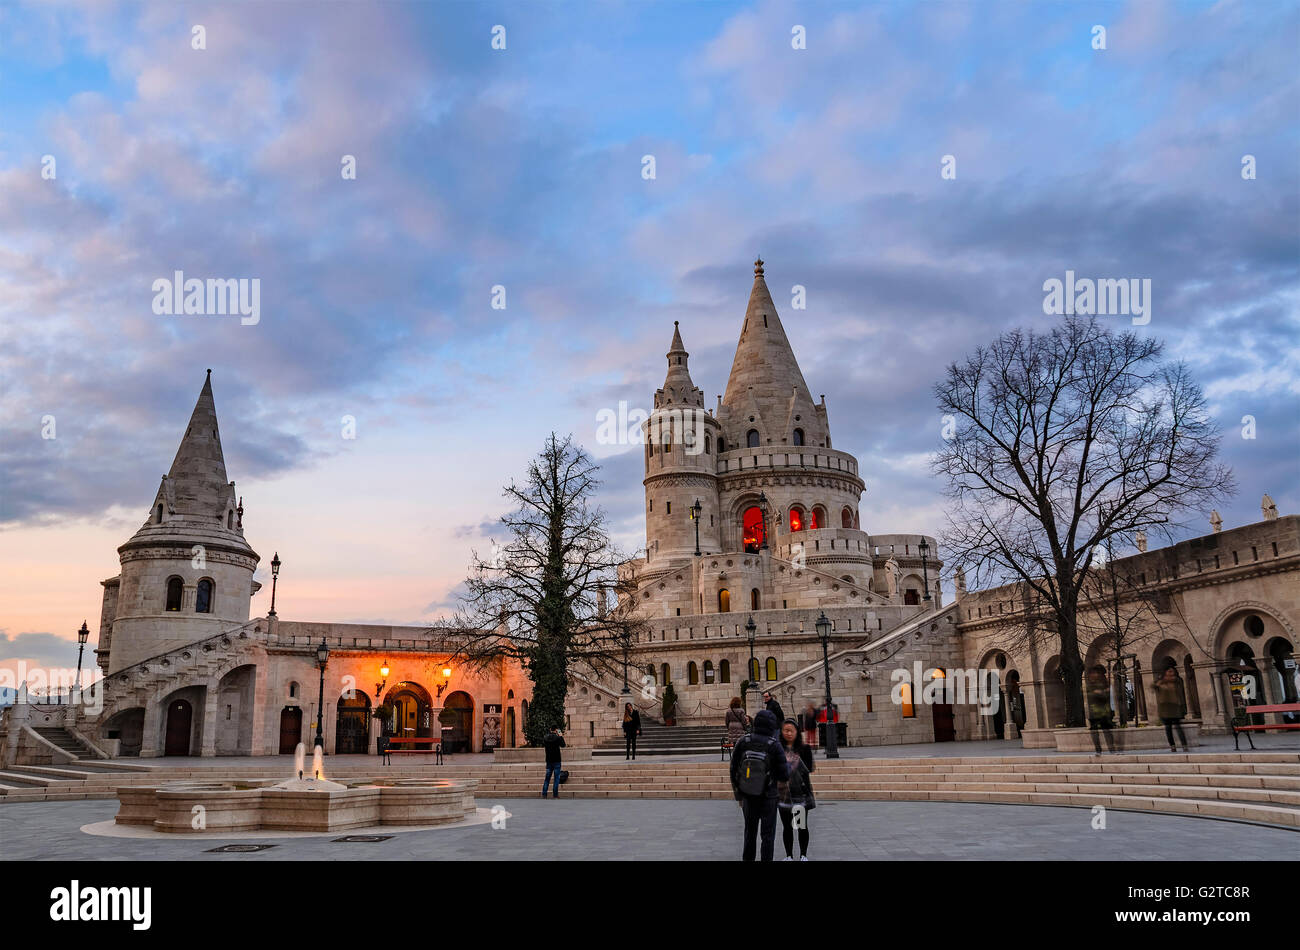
(752, 778)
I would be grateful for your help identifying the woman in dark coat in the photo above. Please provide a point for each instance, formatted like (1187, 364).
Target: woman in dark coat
(631, 729)
(737, 722)
(795, 806)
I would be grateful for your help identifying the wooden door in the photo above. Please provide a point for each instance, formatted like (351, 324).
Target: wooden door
(180, 717)
(945, 729)
(290, 729)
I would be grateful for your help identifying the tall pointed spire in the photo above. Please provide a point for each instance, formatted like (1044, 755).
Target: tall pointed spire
(199, 487)
(678, 389)
(766, 382)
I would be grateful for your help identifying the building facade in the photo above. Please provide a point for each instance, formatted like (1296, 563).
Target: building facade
(753, 536)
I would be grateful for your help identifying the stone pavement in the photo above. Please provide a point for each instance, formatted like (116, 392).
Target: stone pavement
(681, 830)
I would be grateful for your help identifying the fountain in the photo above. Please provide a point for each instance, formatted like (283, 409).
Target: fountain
(296, 804)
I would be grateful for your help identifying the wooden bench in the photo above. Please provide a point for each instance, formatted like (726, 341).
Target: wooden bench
(1264, 727)
(435, 747)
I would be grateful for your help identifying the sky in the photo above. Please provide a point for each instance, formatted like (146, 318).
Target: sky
(127, 154)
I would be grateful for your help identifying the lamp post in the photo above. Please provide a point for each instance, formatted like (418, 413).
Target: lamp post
(322, 658)
(762, 505)
(832, 740)
(695, 510)
(275, 575)
(82, 636)
(379, 687)
(925, 570)
(751, 628)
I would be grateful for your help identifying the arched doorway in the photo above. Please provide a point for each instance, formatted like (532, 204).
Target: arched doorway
(510, 728)
(945, 727)
(180, 721)
(1054, 693)
(352, 728)
(1241, 659)
(1282, 663)
(412, 711)
(290, 729)
(459, 713)
(753, 529)
(127, 727)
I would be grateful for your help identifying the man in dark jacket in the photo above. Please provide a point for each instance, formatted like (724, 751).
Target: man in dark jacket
(553, 743)
(772, 706)
(760, 746)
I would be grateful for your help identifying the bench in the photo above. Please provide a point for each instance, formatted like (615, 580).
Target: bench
(435, 748)
(1264, 727)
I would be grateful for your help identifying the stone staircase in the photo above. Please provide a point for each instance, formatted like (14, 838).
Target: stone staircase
(65, 740)
(658, 739)
(1262, 787)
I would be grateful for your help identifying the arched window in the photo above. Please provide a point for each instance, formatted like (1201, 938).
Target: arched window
(708, 672)
(203, 597)
(751, 438)
(796, 518)
(846, 518)
(230, 520)
(175, 587)
(753, 669)
(650, 672)
(293, 690)
(771, 668)
(666, 674)
(722, 444)
(754, 600)
(692, 674)
(724, 601)
(158, 515)
(817, 519)
(798, 437)
(708, 443)
(724, 671)
(752, 529)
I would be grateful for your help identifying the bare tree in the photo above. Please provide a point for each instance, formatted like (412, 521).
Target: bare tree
(1063, 441)
(540, 598)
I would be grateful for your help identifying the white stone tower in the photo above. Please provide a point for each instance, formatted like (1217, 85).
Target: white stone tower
(187, 573)
(680, 459)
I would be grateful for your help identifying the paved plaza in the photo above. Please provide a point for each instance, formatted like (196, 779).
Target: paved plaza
(690, 830)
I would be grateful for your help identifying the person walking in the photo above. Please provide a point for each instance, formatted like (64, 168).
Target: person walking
(809, 725)
(631, 729)
(553, 743)
(737, 721)
(1171, 706)
(772, 706)
(1100, 716)
(760, 775)
(795, 805)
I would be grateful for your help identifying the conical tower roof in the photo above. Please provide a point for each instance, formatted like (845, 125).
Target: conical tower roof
(678, 389)
(198, 473)
(766, 382)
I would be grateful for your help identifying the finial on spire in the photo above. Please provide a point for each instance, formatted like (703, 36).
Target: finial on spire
(209, 372)
(758, 267)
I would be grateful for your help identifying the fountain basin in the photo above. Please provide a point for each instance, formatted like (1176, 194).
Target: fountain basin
(252, 805)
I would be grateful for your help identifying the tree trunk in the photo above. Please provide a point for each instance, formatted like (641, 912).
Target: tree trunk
(1067, 626)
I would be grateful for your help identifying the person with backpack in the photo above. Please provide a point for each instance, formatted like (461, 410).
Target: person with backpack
(794, 806)
(631, 729)
(772, 706)
(553, 743)
(759, 775)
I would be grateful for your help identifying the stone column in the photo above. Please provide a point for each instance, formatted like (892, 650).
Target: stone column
(151, 741)
(208, 737)
(260, 714)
